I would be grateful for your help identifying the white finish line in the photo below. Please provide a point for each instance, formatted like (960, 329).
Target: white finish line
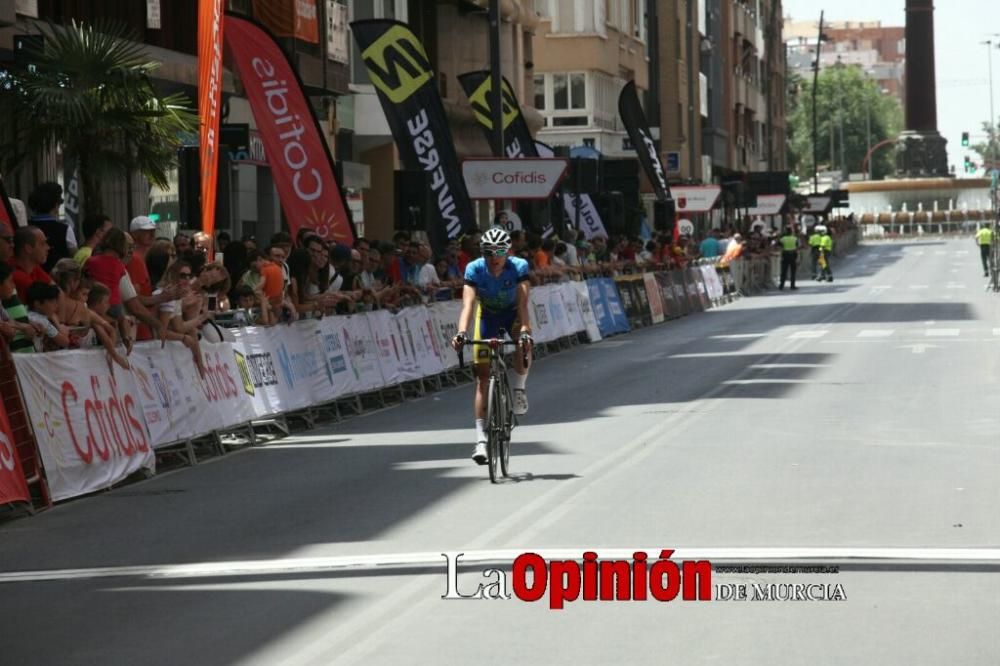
(783, 555)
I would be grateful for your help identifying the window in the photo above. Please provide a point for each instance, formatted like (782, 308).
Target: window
(569, 91)
(540, 92)
(559, 96)
(578, 91)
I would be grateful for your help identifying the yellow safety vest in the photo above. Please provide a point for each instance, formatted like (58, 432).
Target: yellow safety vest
(789, 243)
(815, 240)
(984, 236)
(826, 243)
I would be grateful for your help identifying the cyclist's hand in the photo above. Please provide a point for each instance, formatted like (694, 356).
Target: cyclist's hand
(527, 342)
(459, 341)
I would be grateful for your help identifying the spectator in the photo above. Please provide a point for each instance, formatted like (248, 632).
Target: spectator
(427, 276)
(650, 253)
(158, 260)
(570, 237)
(235, 261)
(44, 202)
(469, 250)
(222, 240)
(559, 255)
(202, 244)
(734, 250)
(14, 323)
(171, 313)
(99, 300)
(549, 249)
(43, 304)
(257, 310)
(6, 244)
(265, 276)
(74, 313)
(143, 232)
(601, 252)
(709, 247)
(31, 248)
(341, 277)
(94, 228)
(517, 241)
(182, 242)
(249, 243)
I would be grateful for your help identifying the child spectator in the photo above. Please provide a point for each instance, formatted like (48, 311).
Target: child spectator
(43, 304)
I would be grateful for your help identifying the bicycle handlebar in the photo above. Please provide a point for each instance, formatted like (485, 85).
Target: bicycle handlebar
(490, 342)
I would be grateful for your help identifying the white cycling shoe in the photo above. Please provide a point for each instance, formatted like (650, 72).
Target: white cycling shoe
(479, 455)
(520, 402)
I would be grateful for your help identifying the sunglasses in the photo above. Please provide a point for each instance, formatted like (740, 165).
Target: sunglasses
(495, 253)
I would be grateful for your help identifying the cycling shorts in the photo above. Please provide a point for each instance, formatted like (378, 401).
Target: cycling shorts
(488, 325)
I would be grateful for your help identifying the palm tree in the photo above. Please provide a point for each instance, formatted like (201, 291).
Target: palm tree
(89, 90)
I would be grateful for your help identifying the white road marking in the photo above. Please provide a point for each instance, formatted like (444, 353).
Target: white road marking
(740, 336)
(807, 335)
(943, 332)
(436, 560)
(956, 286)
(779, 366)
(919, 286)
(996, 331)
(918, 349)
(876, 333)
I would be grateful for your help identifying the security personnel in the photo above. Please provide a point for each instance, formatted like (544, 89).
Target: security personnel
(814, 241)
(789, 256)
(984, 239)
(826, 249)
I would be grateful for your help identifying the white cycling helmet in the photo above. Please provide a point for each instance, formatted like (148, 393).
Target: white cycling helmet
(495, 239)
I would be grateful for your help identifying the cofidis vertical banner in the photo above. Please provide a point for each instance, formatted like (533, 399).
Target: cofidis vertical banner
(642, 140)
(12, 485)
(209, 104)
(297, 153)
(407, 87)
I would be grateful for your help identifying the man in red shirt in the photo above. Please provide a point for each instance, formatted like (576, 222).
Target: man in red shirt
(143, 231)
(31, 249)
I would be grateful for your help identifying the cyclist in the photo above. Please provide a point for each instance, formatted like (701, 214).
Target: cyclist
(499, 283)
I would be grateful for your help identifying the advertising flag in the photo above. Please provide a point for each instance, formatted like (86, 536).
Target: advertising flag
(517, 137)
(407, 87)
(209, 104)
(642, 140)
(297, 153)
(12, 485)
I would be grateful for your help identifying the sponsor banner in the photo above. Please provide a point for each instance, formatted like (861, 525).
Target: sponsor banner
(517, 138)
(637, 128)
(13, 487)
(296, 150)
(699, 280)
(557, 313)
(222, 401)
(696, 198)
(258, 365)
(342, 375)
(390, 355)
(87, 418)
(654, 297)
(712, 282)
(670, 306)
(680, 292)
(289, 18)
(420, 328)
(72, 203)
(405, 347)
(582, 290)
(210, 36)
(590, 219)
(602, 313)
(363, 352)
(163, 392)
(299, 360)
(572, 305)
(693, 290)
(445, 319)
(613, 299)
(525, 178)
(408, 90)
(538, 311)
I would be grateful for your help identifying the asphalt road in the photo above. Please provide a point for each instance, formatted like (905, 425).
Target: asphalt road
(861, 415)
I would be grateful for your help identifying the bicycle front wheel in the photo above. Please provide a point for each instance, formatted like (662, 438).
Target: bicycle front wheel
(494, 426)
(508, 421)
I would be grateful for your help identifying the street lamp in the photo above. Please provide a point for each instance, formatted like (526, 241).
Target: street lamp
(992, 150)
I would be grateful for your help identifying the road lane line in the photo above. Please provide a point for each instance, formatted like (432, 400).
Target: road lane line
(876, 333)
(943, 332)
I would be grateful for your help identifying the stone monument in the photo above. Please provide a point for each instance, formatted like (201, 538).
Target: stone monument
(921, 151)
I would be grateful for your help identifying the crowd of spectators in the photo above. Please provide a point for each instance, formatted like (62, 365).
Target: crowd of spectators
(117, 287)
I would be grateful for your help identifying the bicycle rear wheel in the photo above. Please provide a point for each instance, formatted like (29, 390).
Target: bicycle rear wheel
(494, 425)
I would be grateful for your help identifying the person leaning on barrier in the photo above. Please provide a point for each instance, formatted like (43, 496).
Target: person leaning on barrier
(789, 243)
(984, 239)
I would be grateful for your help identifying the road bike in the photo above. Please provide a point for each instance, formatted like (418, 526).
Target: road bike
(500, 418)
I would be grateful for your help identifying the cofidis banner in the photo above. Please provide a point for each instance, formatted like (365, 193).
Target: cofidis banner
(296, 150)
(407, 87)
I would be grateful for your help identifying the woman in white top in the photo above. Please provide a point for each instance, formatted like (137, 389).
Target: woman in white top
(178, 276)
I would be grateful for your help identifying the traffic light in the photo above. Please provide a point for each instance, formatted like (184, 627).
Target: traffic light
(965, 138)
(965, 166)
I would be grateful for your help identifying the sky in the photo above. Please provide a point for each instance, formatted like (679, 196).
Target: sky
(963, 90)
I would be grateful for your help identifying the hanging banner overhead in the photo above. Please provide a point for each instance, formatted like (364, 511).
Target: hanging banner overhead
(526, 178)
(642, 140)
(407, 87)
(209, 104)
(296, 150)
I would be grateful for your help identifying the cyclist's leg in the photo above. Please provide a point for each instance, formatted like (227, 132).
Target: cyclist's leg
(519, 380)
(483, 327)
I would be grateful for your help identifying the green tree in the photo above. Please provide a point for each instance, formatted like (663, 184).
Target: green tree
(847, 99)
(989, 150)
(89, 91)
